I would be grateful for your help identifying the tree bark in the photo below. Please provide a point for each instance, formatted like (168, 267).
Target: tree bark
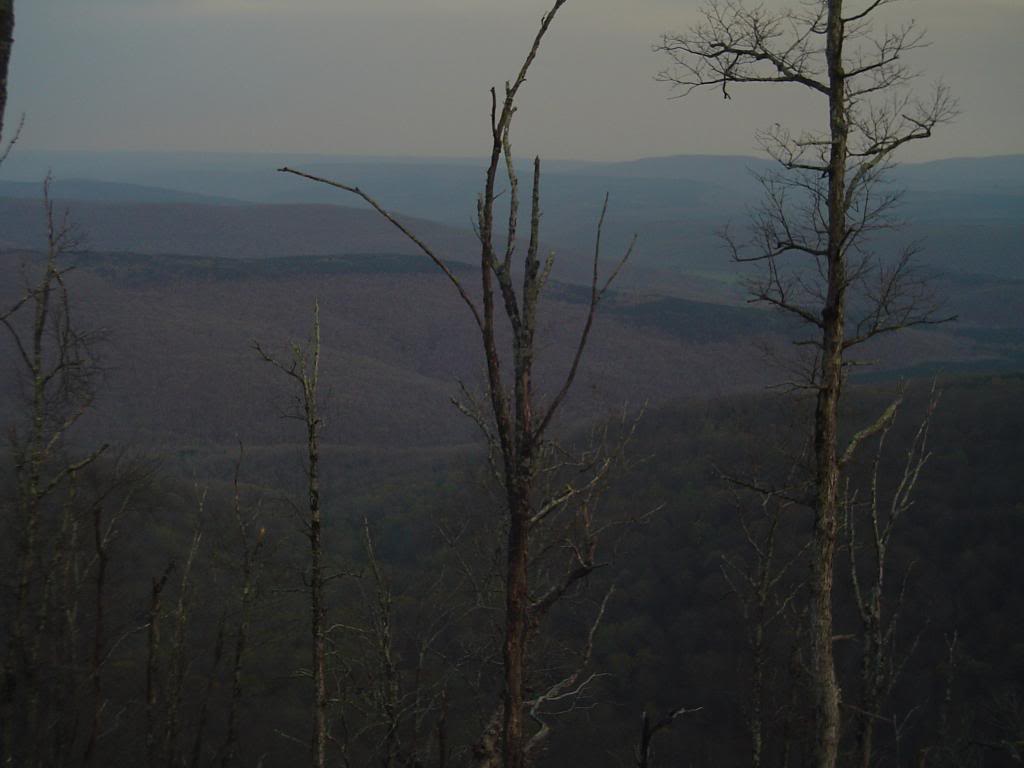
(316, 589)
(6, 44)
(516, 627)
(250, 579)
(95, 672)
(826, 418)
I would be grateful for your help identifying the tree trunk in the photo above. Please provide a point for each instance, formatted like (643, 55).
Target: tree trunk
(102, 558)
(304, 370)
(6, 43)
(872, 680)
(826, 420)
(757, 697)
(516, 628)
(316, 589)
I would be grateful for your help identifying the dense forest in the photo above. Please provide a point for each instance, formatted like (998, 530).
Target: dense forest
(438, 498)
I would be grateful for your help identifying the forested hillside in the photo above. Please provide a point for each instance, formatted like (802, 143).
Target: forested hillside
(673, 635)
(500, 462)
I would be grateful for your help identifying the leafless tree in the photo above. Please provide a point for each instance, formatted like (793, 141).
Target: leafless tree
(765, 595)
(822, 212)
(111, 502)
(385, 685)
(389, 688)
(882, 510)
(57, 370)
(178, 658)
(167, 665)
(154, 678)
(251, 568)
(518, 419)
(303, 368)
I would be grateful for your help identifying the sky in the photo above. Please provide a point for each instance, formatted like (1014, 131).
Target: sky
(411, 78)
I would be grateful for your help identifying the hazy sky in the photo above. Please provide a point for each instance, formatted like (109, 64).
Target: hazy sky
(412, 76)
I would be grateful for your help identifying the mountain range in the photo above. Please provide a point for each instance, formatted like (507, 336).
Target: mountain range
(184, 261)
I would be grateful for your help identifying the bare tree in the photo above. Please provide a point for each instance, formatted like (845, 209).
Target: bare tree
(251, 567)
(759, 584)
(824, 208)
(57, 368)
(154, 678)
(389, 688)
(112, 499)
(304, 370)
(178, 662)
(385, 686)
(885, 505)
(518, 419)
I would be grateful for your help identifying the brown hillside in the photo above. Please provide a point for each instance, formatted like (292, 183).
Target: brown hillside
(243, 231)
(181, 371)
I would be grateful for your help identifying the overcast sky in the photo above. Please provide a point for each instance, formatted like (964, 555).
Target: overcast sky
(411, 77)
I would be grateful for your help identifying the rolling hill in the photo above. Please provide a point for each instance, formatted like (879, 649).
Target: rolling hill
(181, 374)
(183, 281)
(967, 213)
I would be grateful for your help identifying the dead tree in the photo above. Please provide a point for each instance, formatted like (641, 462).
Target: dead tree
(304, 370)
(389, 688)
(395, 653)
(882, 510)
(764, 596)
(153, 666)
(251, 567)
(177, 662)
(166, 668)
(111, 502)
(519, 420)
(823, 208)
(54, 359)
(763, 586)
(385, 685)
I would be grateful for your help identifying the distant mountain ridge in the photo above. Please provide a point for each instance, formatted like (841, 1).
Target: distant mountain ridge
(968, 213)
(200, 172)
(90, 190)
(237, 231)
